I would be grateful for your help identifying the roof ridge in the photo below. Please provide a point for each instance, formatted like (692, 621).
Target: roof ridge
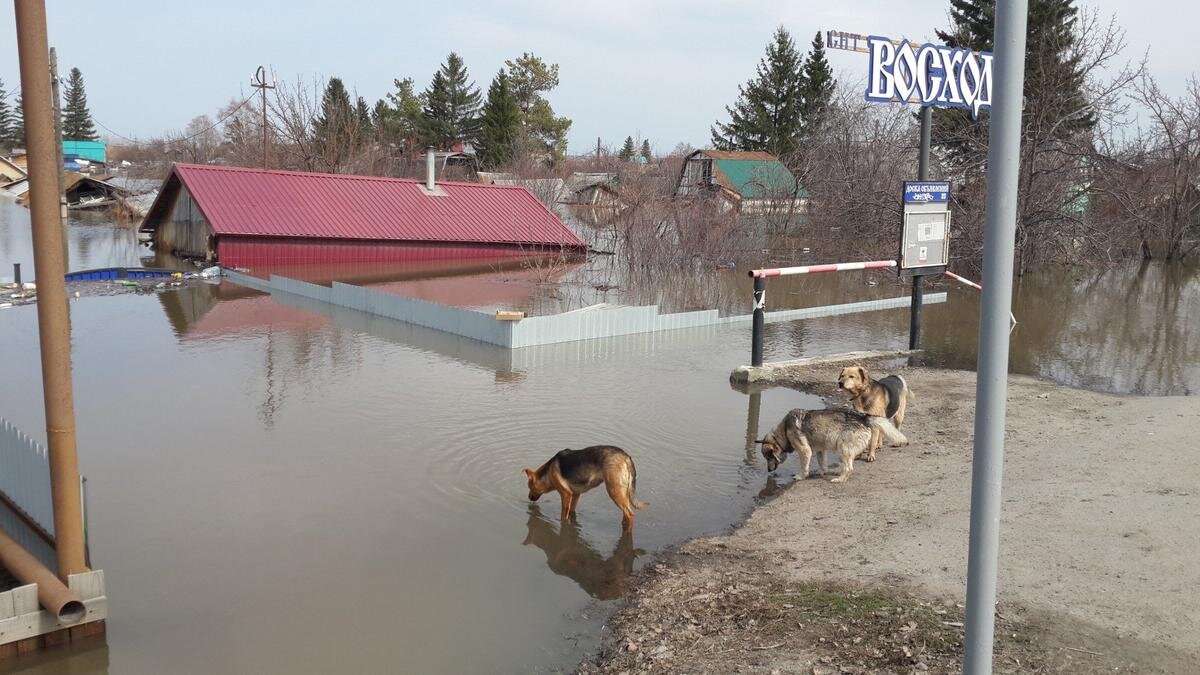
(340, 176)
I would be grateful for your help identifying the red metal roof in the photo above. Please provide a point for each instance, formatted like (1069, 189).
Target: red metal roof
(258, 202)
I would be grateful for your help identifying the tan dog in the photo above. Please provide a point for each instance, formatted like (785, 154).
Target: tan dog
(571, 473)
(845, 432)
(888, 398)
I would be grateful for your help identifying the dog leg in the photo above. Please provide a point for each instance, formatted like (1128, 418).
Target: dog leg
(568, 504)
(847, 464)
(821, 463)
(805, 451)
(874, 445)
(621, 497)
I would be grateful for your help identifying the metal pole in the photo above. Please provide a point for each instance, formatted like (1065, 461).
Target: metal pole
(991, 388)
(914, 316)
(918, 295)
(17, 274)
(54, 327)
(760, 304)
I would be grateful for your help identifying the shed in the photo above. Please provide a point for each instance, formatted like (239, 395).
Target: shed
(257, 216)
(747, 180)
(93, 151)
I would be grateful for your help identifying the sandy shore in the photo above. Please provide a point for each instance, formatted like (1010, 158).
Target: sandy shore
(1098, 571)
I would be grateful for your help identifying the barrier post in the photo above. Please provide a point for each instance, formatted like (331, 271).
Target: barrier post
(17, 273)
(914, 319)
(760, 306)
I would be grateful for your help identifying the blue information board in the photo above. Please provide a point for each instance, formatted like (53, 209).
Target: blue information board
(926, 192)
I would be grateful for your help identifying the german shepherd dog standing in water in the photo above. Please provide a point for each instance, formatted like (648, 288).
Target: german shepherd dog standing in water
(843, 431)
(888, 397)
(571, 473)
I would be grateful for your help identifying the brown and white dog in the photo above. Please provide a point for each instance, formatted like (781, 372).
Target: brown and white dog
(888, 397)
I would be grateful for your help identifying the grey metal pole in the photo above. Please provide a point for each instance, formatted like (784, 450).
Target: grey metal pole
(926, 134)
(756, 335)
(17, 274)
(991, 388)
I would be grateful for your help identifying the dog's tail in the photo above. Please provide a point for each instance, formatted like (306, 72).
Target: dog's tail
(908, 393)
(890, 433)
(633, 500)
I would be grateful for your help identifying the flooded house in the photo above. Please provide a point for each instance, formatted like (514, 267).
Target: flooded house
(749, 182)
(257, 217)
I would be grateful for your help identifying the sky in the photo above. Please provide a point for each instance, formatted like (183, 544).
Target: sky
(663, 70)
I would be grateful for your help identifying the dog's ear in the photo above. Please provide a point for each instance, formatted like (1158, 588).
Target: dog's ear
(528, 472)
(862, 372)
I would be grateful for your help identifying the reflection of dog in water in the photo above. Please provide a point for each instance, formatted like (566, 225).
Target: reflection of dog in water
(570, 555)
(571, 473)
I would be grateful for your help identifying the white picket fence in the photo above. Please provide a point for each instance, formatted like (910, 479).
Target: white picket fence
(25, 475)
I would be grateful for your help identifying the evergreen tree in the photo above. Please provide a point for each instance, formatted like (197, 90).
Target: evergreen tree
(398, 121)
(451, 111)
(336, 128)
(18, 123)
(77, 122)
(1053, 77)
(645, 151)
(766, 115)
(530, 78)
(6, 122)
(366, 129)
(816, 92)
(500, 125)
(627, 150)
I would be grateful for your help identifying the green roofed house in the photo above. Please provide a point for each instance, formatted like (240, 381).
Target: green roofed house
(749, 182)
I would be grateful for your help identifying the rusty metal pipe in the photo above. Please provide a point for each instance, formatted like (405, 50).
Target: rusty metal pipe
(54, 329)
(53, 595)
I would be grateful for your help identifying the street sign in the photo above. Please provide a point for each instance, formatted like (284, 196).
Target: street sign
(925, 233)
(925, 74)
(926, 192)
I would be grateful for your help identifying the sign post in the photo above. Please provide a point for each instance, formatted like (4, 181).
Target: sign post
(927, 75)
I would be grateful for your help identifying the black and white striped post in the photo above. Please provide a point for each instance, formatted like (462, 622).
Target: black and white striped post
(760, 310)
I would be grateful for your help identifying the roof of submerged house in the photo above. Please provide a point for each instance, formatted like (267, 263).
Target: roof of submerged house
(267, 203)
(751, 174)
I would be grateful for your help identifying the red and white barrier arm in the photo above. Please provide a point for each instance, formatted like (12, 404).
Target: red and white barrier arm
(976, 286)
(813, 269)
(968, 282)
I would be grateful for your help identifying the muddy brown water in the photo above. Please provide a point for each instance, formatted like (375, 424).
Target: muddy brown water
(277, 486)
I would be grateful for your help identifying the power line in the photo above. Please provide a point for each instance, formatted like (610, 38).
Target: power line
(214, 125)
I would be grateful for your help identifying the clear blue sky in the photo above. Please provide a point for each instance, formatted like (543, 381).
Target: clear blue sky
(661, 69)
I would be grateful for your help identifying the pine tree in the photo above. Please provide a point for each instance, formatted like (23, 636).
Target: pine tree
(18, 124)
(366, 129)
(337, 126)
(645, 151)
(77, 122)
(530, 78)
(6, 121)
(500, 124)
(1053, 77)
(398, 121)
(817, 89)
(766, 115)
(451, 105)
(627, 150)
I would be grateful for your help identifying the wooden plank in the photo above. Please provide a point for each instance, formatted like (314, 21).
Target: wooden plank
(88, 630)
(87, 585)
(6, 605)
(29, 626)
(25, 599)
(505, 315)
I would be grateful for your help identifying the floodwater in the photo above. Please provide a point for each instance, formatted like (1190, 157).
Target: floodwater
(280, 486)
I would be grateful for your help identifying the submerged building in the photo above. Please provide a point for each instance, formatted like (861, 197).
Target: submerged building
(747, 181)
(248, 217)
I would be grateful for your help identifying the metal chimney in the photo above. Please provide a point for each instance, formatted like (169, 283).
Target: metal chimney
(430, 169)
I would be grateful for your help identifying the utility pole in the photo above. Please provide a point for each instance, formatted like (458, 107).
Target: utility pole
(597, 147)
(58, 133)
(54, 328)
(259, 82)
(991, 385)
